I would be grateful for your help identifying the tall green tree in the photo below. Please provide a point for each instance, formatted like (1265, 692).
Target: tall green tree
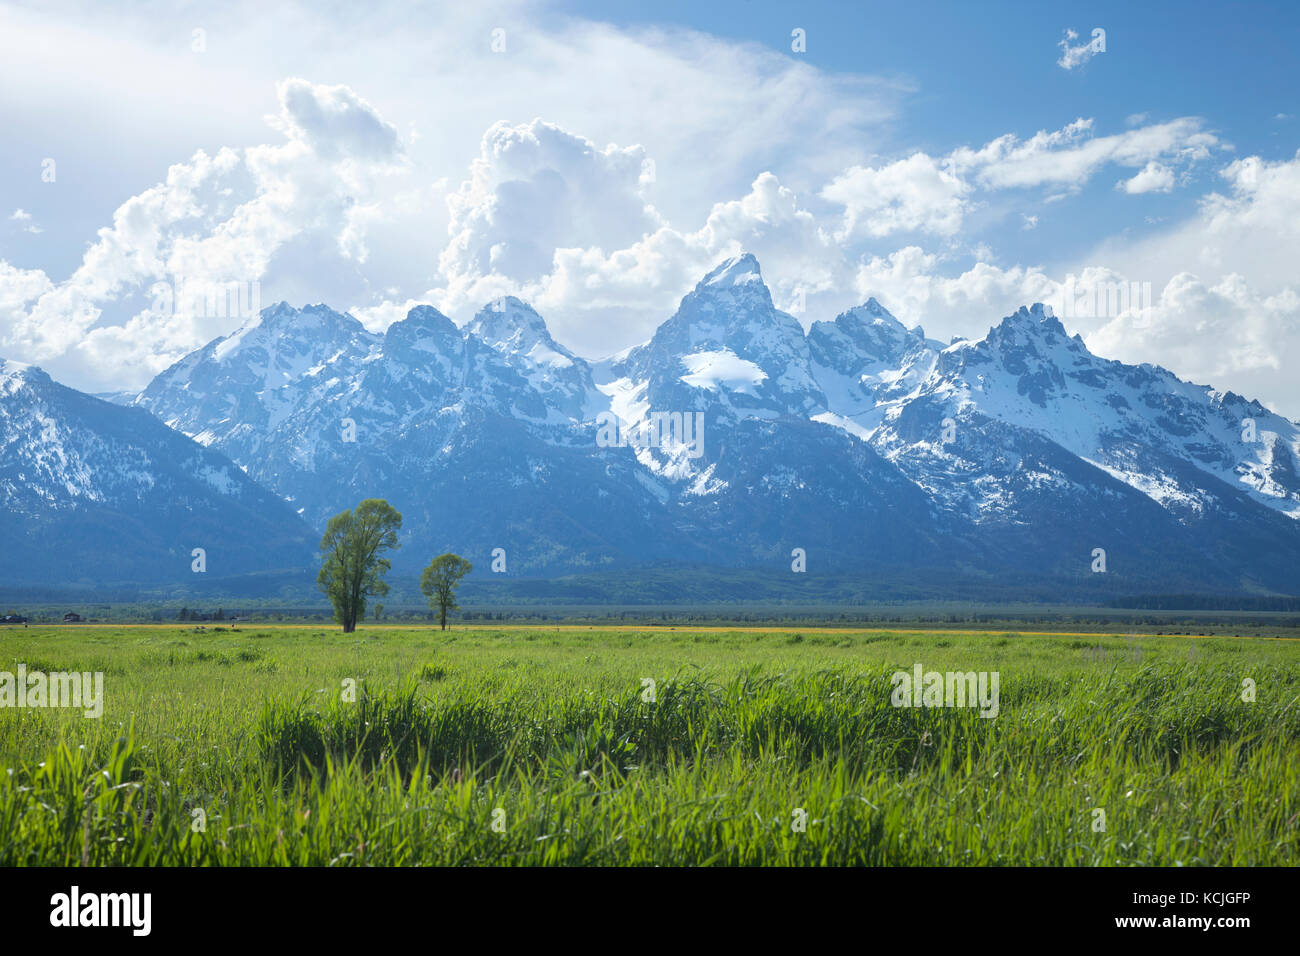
(353, 567)
(440, 580)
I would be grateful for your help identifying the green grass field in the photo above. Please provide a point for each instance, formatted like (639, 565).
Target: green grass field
(535, 746)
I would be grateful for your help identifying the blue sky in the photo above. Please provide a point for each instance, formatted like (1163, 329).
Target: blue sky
(981, 67)
(596, 159)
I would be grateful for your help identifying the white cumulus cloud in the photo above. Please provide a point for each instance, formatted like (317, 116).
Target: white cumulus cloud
(214, 221)
(1154, 177)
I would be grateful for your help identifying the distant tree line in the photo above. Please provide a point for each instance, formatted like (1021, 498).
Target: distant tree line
(1206, 602)
(187, 615)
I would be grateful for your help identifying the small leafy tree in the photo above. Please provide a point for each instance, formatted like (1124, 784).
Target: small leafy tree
(353, 565)
(379, 612)
(439, 582)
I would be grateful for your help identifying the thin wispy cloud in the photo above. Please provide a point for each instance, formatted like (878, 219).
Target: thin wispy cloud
(1075, 55)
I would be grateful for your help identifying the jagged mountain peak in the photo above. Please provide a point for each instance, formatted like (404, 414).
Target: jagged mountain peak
(509, 324)
(727, 341)
(873, 307)
(426, 313)
(20, 378)
(424, 329)
(279, 310)
(735, 282)
(317, 327)
(737, 270)
(730, 306)
(284, 317)
(424, 317)
(1036, 319)
(873, 320)
(1032, 352)
(517, 333)
(865, 343)
(512, 305)
(14, 370)
(1029, 340)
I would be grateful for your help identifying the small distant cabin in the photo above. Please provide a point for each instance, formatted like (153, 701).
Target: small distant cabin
(13, 619)
(72, 617)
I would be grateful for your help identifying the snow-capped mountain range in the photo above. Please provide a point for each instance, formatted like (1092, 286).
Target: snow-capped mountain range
(869, 446)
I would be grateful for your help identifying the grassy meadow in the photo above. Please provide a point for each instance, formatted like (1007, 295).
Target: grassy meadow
(534, 745)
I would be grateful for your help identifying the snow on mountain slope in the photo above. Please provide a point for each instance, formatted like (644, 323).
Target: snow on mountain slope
(515, 331)
(722, 368)
(237, 391)
(325, 413)
(866, 359)
(727, 354)
(729, 311)
(98, 492)
(1132, 421)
